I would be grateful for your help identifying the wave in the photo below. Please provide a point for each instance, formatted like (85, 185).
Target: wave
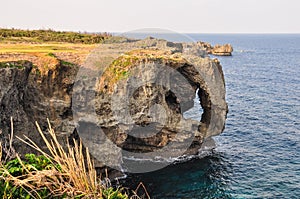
(245, 51)
(206, 149)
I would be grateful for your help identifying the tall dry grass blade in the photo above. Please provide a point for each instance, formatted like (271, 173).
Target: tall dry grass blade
(73, 173)
(34, 146)
(11, 133)
(0, 153)
(20, 181)
(77, 172)
(9, 150)
(144, 188)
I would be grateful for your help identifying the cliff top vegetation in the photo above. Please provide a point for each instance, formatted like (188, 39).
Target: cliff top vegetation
(44, 47)
(40, 36)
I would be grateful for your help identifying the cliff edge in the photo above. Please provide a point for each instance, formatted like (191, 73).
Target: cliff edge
(127, 96)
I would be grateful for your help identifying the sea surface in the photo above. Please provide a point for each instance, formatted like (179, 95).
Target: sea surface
(258, 154)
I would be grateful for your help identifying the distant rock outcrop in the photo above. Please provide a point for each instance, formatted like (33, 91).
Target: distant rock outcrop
(220, 50)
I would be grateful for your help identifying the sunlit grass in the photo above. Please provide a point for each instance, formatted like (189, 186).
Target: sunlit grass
(44, 48)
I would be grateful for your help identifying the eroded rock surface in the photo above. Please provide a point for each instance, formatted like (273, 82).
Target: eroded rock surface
(220, 50)
(141, 92)
(134, 92)
(27, 96)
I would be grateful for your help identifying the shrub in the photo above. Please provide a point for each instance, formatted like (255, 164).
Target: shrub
(18, 168)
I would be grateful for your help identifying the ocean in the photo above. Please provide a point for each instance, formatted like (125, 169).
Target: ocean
(258, 154)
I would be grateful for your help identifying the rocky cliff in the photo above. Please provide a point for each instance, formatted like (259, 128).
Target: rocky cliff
(126, 99)
(28, 94)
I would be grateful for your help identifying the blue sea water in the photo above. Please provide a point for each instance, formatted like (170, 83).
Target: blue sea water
(258, 154)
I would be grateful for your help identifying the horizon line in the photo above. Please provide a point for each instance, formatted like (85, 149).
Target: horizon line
(147, 32)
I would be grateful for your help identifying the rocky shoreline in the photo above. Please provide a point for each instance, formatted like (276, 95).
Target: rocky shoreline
(32, 93)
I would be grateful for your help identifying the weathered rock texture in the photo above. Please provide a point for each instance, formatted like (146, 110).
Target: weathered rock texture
(27, 96)
(220, 50)
(135, 92)
(143, 89)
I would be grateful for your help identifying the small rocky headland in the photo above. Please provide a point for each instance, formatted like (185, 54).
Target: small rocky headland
(107, 100)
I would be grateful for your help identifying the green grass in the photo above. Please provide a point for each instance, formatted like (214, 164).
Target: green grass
(33, 164)
(17, 168)
(14, 64)
(65, 63)
(53, 36)
(51, 55)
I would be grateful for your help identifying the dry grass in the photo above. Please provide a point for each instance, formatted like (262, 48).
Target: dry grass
(6, 146)
(38, 54)
(77, 175)
(73, 177)
(44, 47)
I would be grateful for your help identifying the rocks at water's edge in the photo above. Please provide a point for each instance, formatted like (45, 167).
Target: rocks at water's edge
(175, 73)
(220, 50)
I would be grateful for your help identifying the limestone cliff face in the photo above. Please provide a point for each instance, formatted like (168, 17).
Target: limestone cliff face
(133, 92)
(141, 94)
(27, 96)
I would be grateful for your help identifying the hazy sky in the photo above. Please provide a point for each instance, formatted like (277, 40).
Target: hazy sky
(199, 16)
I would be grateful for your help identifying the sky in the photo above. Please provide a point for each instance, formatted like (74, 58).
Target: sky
(184, 16)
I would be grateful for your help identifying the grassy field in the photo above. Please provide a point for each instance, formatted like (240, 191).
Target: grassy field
(45, 47)
(45, 54)
(52, 36)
